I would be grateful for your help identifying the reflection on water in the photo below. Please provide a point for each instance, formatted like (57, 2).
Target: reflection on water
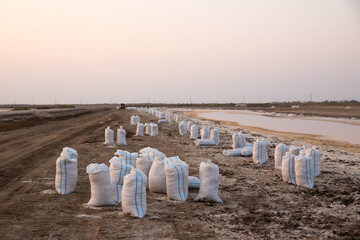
(330, 130)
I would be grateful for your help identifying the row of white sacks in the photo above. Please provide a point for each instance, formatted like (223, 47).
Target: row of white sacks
(130, 174)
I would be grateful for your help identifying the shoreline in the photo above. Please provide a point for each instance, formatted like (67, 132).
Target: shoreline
(311, 139)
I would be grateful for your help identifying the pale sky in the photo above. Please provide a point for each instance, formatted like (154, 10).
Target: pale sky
(170, 50)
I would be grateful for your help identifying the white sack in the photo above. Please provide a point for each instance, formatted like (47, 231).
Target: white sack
(260, 152)
(182, 128)
(304, 171)
(209, 183)
(205, 142)
(238, 140)
(194, 182)
(133, 194)
(189, 124)
(230, 153)
(162, 121)
(169, 118)
(316, 157)
(246, 151)
(280, 151)
(101, 194)
(177, 179)
(121, 136)
(205, 133)
(118, 170)
(294, 150)
(109, 136)
(288, 168)
(66, 175)
(157, 178)
(194, 132)
(144, 162)
(130, 158)
(69, 153)
(154, 130)
(140, 129)
(214, 135)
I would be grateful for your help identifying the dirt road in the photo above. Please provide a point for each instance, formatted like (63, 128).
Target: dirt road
(257, 204)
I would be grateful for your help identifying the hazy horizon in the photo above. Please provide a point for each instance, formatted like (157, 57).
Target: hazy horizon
(68, 52)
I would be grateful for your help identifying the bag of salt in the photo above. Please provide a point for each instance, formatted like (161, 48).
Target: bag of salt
(130, 158)
(288, 168)
(205, 142)
(304, 171)
(238, 140)
(133, 194)
(182, 128)
(140, 129)
(194, 132)
(194, 182)
(118, 170)
(316, 157)
(204, 133)
(246, 151)
(157, 178)
(230, 153)
(66, 174)
(209, 183)
(260, 152)
(69, 153)
(154, 129)
(280, 151)
(109, 136)
(214, 135)
(101, 194)
(177, 178)
(294, 150)
(189, 124)
(121, 136)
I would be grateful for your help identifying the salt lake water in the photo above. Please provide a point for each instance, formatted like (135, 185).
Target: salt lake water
(329, 128)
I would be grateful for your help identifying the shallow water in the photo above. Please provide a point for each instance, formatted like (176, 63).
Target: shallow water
(324, 127)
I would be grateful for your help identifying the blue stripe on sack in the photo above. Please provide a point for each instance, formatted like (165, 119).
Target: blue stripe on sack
(65, 174)
(142, 181)
(130, 158)
(293, 171)
(289, 168)
(183, 181)
(258, 154)
(177, 177)
(60, 177)
(117, 185)
(137, 209)
(307, 179)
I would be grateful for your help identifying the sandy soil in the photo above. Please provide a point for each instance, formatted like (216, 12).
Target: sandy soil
(257, 204)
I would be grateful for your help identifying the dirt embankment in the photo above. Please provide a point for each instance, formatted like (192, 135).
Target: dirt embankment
(257, 204)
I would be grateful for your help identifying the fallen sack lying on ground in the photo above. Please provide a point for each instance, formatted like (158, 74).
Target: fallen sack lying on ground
(133, 194)
(205, 142)
(194, 132)
(118, 170)
(238, 140)
(280, 151)
(162, 121)
(294, 150)
(205, 133)
(66, 174)
(230, 152)
(177, 178)
(109, 136)
(130, 158)
(260, 152)
(316, 158)
(288, 168)
(101, 193)
(246, 151)
(304, 171)
(182, 128)
(214, 135)
(209, 183)
(194, 182)
(140, 129)
(121, 136)
(157, 177)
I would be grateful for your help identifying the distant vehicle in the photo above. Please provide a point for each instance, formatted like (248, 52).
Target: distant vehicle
(241, 105)
(122, 106)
